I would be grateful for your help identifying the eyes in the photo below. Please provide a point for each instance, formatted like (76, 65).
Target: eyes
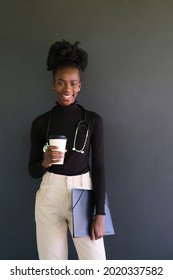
(61, 83)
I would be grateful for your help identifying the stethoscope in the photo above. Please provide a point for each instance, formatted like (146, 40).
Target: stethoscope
(83, 123)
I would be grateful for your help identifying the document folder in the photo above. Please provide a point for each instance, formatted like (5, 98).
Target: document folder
(83, 212)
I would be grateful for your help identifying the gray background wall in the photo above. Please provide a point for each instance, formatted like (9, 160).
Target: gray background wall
(128, 81)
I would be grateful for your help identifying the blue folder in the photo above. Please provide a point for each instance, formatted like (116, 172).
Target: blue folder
(83, 212)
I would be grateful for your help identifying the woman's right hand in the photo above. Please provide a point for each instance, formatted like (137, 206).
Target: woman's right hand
(52, 155)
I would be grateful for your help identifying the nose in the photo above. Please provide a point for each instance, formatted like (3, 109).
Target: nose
(67, 87)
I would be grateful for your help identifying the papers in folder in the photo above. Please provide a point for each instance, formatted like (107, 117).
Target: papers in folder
(83, 211)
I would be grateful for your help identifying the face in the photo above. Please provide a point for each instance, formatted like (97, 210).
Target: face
(67, 85)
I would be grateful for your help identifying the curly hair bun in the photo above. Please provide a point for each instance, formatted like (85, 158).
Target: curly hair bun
(63, 53)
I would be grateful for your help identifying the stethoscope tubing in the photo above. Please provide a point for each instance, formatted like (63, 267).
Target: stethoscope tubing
(82, 123)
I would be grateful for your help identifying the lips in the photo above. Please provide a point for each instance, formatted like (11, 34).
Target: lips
(66, 97)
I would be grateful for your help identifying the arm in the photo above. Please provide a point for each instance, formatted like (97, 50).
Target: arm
(98, 178)
(39, 162)
(35, 167)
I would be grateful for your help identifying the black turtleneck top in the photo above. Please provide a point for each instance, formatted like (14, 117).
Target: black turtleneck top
(64, 121)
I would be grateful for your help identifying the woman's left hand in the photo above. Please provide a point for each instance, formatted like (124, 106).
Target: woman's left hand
(98, 227)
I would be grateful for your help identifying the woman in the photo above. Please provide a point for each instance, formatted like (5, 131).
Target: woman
(53, 212)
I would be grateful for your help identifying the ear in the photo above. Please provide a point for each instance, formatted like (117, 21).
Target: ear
(53, 84)
(80, 84)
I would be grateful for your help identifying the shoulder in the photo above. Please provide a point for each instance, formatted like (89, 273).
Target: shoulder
(41, 119)
(95, 122)
(94, 117)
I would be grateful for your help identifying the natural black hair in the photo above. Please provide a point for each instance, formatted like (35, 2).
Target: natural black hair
(63, 53)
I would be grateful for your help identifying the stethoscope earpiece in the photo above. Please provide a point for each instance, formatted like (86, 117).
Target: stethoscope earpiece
(78, 151)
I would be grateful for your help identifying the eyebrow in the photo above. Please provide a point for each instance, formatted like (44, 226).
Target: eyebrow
(65, 80)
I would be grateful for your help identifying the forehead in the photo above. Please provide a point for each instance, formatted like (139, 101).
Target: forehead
(67, 73)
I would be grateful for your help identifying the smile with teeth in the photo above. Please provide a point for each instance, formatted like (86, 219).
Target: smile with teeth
(66, 96)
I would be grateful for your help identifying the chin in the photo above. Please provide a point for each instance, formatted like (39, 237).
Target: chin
(66, 103)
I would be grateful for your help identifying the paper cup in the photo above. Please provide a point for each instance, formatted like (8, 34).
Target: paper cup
(60, 141)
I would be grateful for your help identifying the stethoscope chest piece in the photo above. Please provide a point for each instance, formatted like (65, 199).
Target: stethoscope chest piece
(45, 147)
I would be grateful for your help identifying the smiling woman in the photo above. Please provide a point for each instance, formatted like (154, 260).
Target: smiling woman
(67, 84)
(53, 209)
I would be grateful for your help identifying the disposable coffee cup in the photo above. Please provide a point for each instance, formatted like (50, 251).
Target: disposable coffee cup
(60, 141)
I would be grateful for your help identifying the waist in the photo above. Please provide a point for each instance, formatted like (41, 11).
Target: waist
(75, 181)
(64, 170)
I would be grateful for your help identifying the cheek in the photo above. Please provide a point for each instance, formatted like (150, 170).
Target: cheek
(57, 89)
(79, 88)
(76, 92)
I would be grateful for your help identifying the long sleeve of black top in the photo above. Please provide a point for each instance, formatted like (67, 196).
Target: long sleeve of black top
(64, 121)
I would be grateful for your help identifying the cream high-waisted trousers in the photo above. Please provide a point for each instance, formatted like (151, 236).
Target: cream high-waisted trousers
(53, 216)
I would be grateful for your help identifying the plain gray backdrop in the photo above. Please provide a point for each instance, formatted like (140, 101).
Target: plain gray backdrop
(128, 82)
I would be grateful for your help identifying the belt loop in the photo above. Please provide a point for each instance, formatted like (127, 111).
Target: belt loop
(81, 180)
(50, 177)
(69, 182)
